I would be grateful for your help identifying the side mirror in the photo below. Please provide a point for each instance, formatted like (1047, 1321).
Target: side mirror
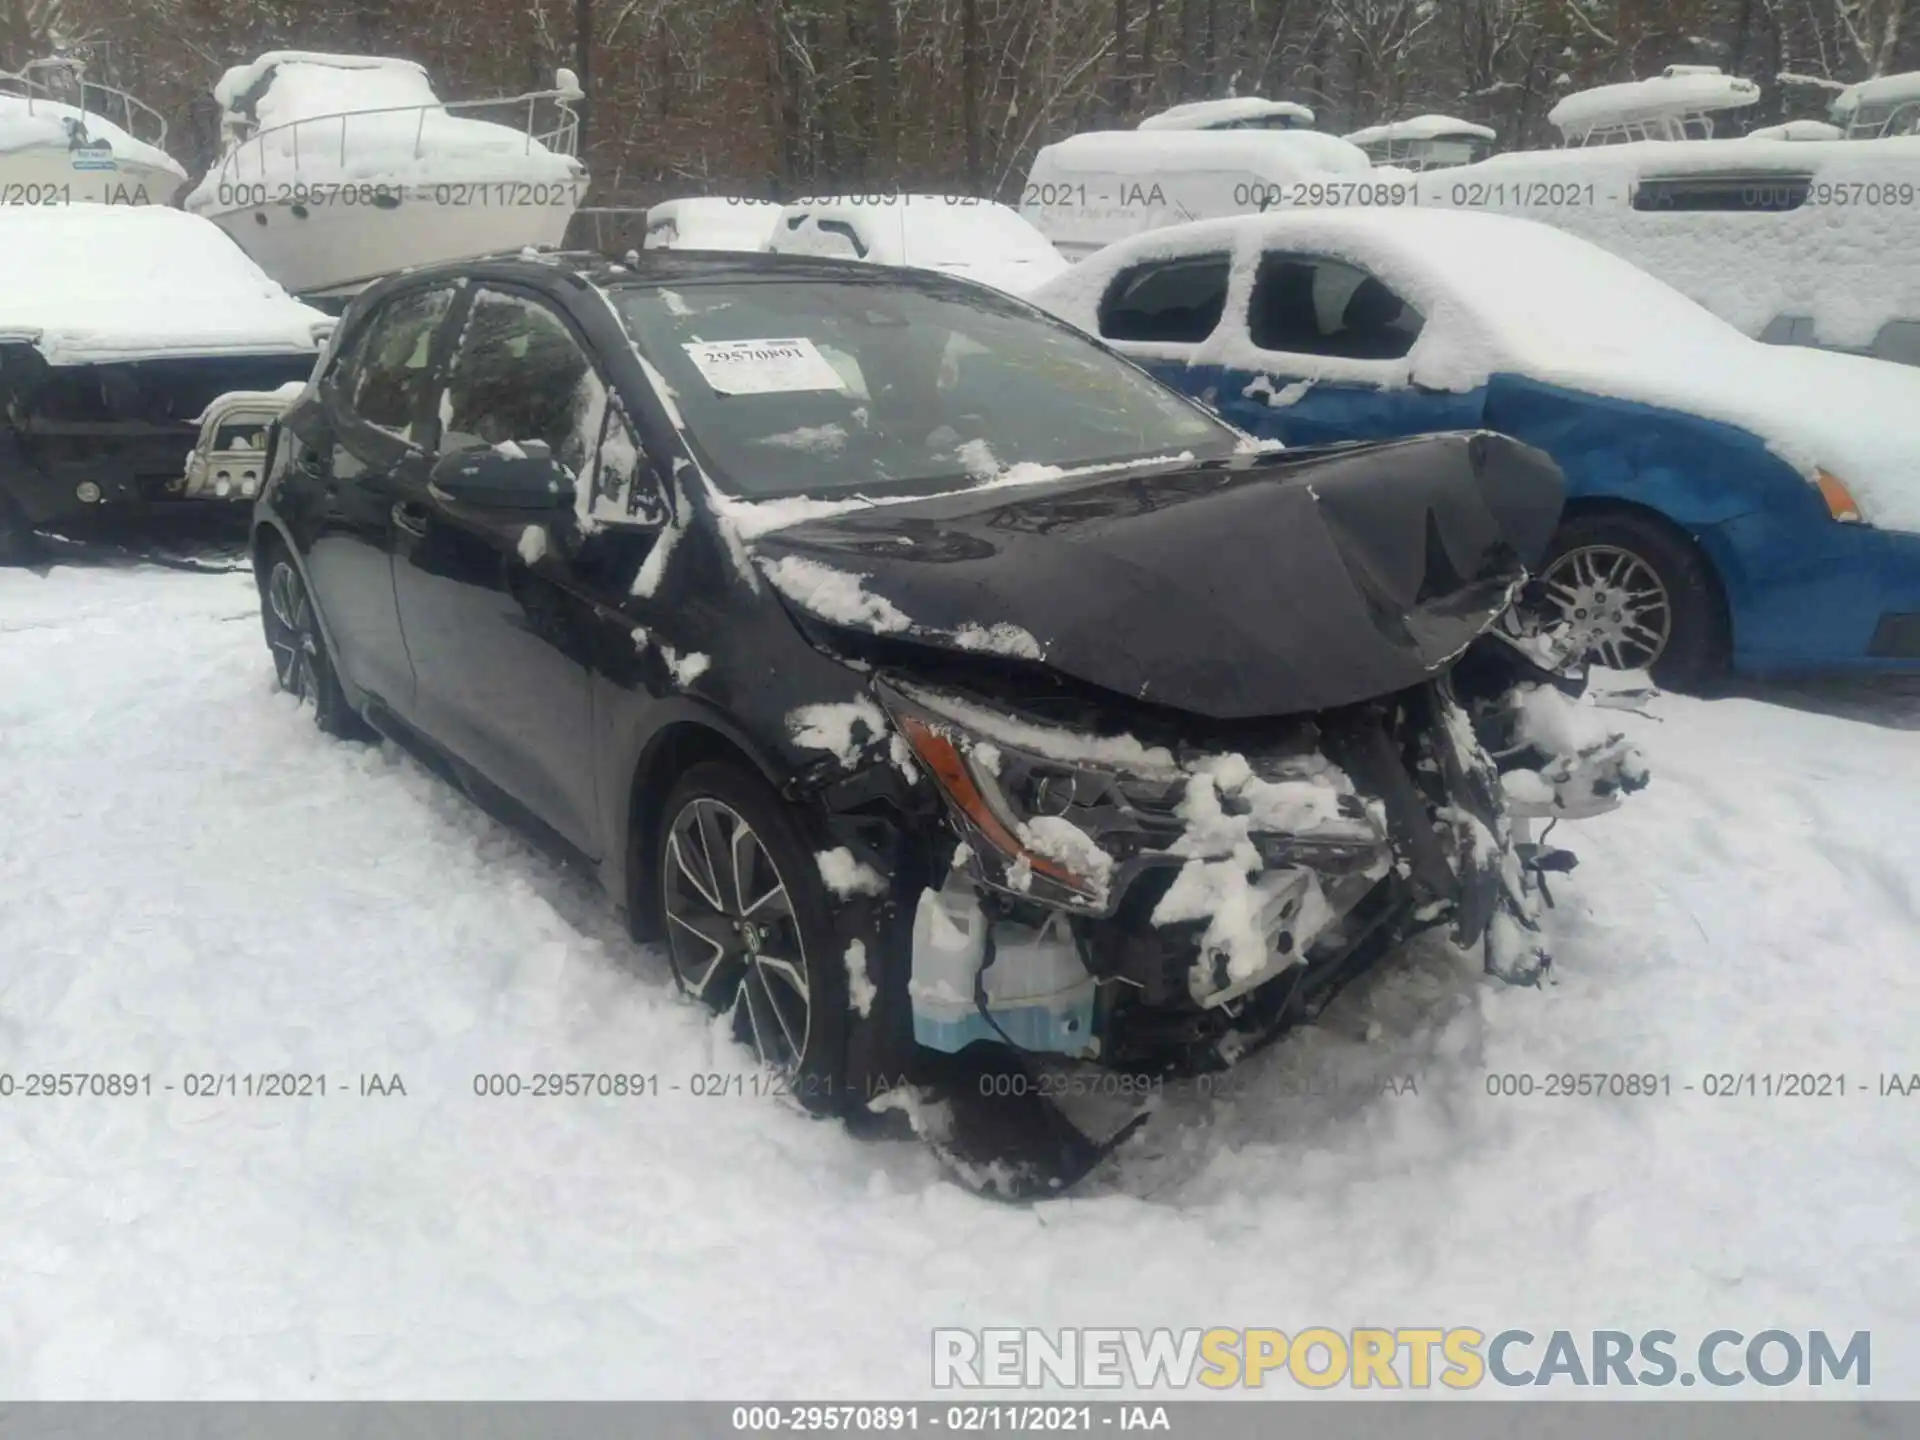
(514, 476)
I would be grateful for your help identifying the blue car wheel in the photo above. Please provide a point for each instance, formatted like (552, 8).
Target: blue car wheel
(1639, 597)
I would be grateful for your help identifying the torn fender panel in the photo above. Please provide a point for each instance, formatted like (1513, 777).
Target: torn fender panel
(1274, 586)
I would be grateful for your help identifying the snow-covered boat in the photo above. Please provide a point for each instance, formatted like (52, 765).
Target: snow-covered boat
(68, 140)
(338, 169)
(1877, 109)
(1677, 104)
(1239, 112)
(1426, 142)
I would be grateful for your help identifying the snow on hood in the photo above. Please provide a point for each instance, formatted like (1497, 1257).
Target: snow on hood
(27, 123)
(1505, 295)
(92, 283)
(322, 101)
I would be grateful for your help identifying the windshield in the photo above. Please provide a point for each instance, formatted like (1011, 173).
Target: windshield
(831, 386)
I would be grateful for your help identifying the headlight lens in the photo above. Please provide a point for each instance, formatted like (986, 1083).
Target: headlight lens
(1840, 502)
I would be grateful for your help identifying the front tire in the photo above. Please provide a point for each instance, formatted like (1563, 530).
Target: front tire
(301, 665)
(1643, 598)
(748, 926)
(17, 543)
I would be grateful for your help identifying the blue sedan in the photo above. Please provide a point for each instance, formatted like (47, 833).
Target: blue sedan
(1730, 504)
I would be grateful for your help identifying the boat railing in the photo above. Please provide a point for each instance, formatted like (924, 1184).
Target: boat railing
(62, 81)
(323, 142)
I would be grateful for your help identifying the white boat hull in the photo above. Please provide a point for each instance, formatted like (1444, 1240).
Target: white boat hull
(333, 238)
(56, 175)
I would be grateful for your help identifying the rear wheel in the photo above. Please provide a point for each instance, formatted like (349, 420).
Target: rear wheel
(301, 664)
(1639, 598)
(748, 925)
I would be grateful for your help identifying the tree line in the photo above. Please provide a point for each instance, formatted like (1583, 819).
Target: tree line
(777, 97)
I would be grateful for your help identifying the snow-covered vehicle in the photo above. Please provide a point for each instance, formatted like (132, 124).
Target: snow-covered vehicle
(341, 168)
(711, 222)
(1425, 142)
(1094, 188)
(941, 743)
(1729, 502)
(119, 327)
(957, 234)
(1238, 112)
(67, 140)
(1878, 109)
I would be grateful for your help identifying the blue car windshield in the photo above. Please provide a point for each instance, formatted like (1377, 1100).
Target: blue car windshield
(821, 386)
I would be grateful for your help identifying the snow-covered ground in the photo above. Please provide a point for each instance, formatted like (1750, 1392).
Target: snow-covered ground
(193, 880)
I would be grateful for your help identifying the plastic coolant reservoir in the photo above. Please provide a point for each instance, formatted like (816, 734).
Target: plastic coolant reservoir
(1037, 990)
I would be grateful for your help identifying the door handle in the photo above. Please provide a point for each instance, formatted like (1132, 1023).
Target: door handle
(410, 517)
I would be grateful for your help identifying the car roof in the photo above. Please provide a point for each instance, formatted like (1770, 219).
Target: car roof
(675, 265)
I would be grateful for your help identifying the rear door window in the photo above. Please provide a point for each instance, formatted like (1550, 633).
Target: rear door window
(1177, 302)
(1314, 305)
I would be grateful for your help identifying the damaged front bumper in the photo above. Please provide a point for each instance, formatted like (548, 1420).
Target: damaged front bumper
(1131, 902)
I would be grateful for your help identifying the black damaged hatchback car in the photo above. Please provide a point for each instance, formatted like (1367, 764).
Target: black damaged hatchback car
(958, 706)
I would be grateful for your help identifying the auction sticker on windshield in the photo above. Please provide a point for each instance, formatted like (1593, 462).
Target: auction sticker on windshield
(762, 367)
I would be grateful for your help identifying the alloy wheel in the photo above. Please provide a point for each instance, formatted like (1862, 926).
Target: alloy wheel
(736, 940)
(1618, 609)
(294, 640)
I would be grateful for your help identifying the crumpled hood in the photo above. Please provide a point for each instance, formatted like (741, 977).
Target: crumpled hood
(1269, 586)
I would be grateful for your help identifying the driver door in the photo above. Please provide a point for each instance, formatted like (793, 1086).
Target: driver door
(500, 607)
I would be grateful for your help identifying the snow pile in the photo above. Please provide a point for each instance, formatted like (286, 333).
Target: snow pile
(328, 118)
(999, 639)
(685, 669)
(711, 222)
(96, 283)
(834, 595)
(846, 875)
(832, 727)
(977, 239)
(30, 122)
(1754, 912)
(861, 991)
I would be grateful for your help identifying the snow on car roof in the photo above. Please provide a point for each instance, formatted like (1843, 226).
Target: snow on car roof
(1503, 294)
(1420, 127)
(25, 123)
(1201, 114)
(94, 283)
(1683, 90)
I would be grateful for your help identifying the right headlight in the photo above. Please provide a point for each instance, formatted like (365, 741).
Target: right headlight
(1045, 826)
